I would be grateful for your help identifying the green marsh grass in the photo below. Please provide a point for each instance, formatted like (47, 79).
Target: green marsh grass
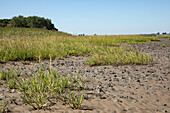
(38, 88)
(3, 104)
(10, 77)
(75, 100)
(29, 44)
(11, 32)
(164, 37)
(119, 56)
(163, 45)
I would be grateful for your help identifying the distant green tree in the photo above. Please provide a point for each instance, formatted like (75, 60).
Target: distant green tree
(4, 22)
(40, 22)
(31, 21)
(164, 33)
(19, 21)
(49, 25)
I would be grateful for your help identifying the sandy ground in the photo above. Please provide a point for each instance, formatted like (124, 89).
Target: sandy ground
(110, 89)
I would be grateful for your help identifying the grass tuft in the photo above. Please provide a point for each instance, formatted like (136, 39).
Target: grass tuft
(119, 56)
(163, 45)
(38, 88)
(3, 105)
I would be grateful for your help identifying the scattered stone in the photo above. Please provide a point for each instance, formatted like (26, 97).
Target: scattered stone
(124, 110)
(27, 112)
(164, 104)
(117, 100)
(164, 111)
(12, 91)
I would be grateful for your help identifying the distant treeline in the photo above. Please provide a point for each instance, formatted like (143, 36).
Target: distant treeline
(156, 34)
(28, 22)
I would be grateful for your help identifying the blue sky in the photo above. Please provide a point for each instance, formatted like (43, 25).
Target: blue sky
(95, 16)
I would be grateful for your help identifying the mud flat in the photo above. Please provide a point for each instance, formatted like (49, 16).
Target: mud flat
(110, 89)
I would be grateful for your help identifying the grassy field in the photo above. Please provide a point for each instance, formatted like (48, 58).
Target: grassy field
(24, 44)
(28, 32)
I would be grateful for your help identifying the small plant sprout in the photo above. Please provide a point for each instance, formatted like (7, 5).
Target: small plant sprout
(75, 100)
(3, 105)
(163, 45)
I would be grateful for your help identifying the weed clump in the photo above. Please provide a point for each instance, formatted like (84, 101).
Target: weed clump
(3, 105)
(39, 88)
(163, 45)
